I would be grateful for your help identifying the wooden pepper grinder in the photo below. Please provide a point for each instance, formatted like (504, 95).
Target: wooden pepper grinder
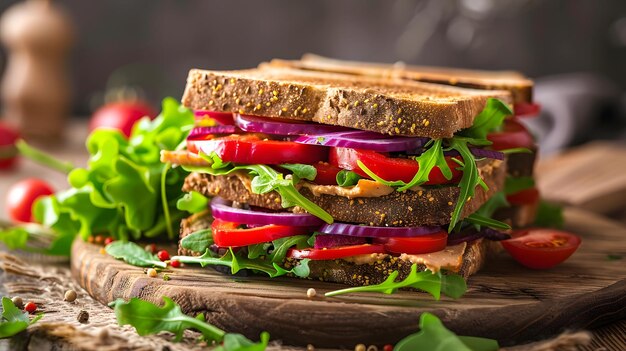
(35, 86)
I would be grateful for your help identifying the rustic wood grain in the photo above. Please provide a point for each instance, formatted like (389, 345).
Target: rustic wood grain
(504, 301)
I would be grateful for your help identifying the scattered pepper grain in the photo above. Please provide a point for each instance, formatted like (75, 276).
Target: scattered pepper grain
(70, 296)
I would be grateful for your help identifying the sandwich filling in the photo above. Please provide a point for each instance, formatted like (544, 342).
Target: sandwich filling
(281, 197)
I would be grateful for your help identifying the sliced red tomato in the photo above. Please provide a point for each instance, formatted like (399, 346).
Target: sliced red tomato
(336, 252)
(252, 149)
(326, 173)
(525, 197)
(227, 234)
(541, 248)
(417, 245)
(514, 135)
(526, 109)
(388, 168)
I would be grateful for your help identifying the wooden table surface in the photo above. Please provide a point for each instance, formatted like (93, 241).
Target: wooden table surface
(590, 177)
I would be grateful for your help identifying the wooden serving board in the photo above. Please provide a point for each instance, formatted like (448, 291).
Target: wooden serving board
(505, 301)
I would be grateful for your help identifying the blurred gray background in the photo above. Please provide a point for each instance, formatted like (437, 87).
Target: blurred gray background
(576, 49)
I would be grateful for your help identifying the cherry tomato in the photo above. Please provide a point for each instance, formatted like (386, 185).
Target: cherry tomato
(514, 135)
(525, 197)
(22, 195)
(8, 137)
(388, 168)
(417, 245)
(210, 118)
(121, 115)
(526, 109)
(326, 173)
(251, 149)
(108, 240)
(336, 253)
(30, 307)
(227, 234)
(163, 255)
(541, 248)
(175, 264)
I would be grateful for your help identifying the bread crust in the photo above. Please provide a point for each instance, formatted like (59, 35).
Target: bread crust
(394, 107)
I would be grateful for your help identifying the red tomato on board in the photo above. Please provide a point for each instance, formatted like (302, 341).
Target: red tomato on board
(22, 195)
(121, 115)
(541, 248)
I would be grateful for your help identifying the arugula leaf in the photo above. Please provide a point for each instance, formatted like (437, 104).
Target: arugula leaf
(434, 336)
(133, 254)
(238, 342)
(192, 202)
(482, 217)
(514, 185)
(264, 180)
(549, 215)
(489, 119)
(282, 245)
(426, 281)
(301, 171)
(469, 180)
(148, 318)
(258, 250)
(236, 263)
(198, 241)
(427, 161)
(347, 178)
(14, 320)
(480, 220)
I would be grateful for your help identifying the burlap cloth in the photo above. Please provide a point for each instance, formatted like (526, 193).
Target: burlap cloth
(43, 281)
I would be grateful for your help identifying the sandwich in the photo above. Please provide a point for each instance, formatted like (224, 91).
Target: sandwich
(344, 174)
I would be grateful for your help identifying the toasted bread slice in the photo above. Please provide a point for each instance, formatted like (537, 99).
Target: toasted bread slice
(394, 107)
(517, 84)
(430, 205)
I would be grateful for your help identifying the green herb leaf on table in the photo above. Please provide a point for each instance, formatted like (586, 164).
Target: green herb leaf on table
(426, 281)
(198, 241)
(133, 254)
(14, 237)
(238, 342)
(14, 320)
(347, 178)
(193, 202)
(434, 336)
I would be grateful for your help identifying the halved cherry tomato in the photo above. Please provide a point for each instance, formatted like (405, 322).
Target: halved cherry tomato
(513, 135)
(417, 245)
(541, 248)
(326, 173)
(335, 253)
(525, 197)
(526, 109)
(388, 168)
(227, 234)
(252, 149)
(210, 118)
(21, 197)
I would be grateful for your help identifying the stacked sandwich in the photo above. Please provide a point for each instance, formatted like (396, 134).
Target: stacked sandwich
(345, 171)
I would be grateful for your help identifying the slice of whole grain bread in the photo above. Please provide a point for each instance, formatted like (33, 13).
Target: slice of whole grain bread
(394, 107)
(518, 85)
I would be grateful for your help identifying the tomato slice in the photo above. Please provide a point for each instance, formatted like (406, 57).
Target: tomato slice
(525, 197)
(417, 245)
(252, 149)
(388, 168)
(335, 253)
(541, 248)
(227, 234)
(513, 135)
(526, 109)
(326, 173)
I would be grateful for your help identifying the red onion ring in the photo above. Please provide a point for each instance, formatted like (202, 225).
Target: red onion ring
(221, 209)
(377, 232)
(198, 132)
(359, 139)
(332, 240)
(281, 127)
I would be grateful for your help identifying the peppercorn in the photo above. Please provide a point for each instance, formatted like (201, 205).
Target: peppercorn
(108, 240)
(372, 348)
(388, 347)
(311, 293)
(151, 248)
(175, 263)
(163, 255)
(151, 272)
(310, 347)
(99, 239)
(83, 316)
(70, 296)
(18, 302)
(30, 307)
(359, 347)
